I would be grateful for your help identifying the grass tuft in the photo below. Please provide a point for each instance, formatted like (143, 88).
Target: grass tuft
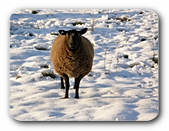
(49, 73)
(34, 12)
(44, 66)
(17, 77)
(155, 59)
(126, 56)
(123, 19)
(143, 39)
(92, 26)
(53, 33)
(78, 23)
(40, 48)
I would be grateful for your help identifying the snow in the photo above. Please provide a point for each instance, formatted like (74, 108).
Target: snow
(123, 83)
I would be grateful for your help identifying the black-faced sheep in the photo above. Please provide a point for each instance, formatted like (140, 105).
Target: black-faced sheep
(72, 56)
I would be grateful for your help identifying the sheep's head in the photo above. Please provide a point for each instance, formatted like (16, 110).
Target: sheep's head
(73, 38)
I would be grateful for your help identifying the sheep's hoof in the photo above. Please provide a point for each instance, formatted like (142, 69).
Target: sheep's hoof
(76, 97)
(62, 87)
(65, 98)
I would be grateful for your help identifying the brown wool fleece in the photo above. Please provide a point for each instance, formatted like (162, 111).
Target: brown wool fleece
(71, 63)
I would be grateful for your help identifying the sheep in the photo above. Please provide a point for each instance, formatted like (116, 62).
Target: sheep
(72, 56)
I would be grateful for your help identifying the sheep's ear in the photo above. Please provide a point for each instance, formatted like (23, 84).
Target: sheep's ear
(83, 31)
(62, 32)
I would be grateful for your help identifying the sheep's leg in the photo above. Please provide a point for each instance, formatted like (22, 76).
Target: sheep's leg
(67, 86)
(76, 86)
(62, 84)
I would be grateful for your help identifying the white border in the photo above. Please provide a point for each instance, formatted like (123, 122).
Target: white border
(8, 6)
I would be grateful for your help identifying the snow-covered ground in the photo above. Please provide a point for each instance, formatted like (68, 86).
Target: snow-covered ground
(123, 84)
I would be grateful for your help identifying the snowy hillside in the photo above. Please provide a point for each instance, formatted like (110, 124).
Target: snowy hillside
(123, 84)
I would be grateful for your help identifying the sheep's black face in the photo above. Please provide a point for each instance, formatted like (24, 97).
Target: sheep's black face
(73, 38)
